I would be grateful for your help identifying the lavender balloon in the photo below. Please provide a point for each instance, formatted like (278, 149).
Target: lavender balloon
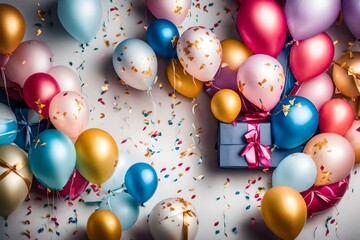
(351, 13)
(307, 18)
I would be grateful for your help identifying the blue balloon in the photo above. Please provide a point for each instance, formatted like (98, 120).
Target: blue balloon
(297, 170)
(8, 125)
(162, 36)
(81, 18)
(124, 207)
(52, 158)
(141, 181)
(290, 80)
(294, 120)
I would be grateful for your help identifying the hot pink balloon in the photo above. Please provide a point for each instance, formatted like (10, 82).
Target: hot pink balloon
(261, 80)
(318, 90)
(199, 51)
(75, 186)
(69, 113)
(173, 10)
(29, 57)
(333, 155)
(311, 57)
(262, 26)
(38, 91)
(320, 199)
(66, 78)
(336, 116)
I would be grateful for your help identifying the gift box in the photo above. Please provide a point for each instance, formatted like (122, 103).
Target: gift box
(29, 126)
(247, 145)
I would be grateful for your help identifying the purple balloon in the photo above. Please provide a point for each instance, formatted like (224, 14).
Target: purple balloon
(307, 18)
(351, 14)
(3, 60)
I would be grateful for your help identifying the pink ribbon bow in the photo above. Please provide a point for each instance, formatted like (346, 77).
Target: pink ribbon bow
(255, 152)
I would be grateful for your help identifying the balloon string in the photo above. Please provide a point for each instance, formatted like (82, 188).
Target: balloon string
(5, 86)
(152, 101)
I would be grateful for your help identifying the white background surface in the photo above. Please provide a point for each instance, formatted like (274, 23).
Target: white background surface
(214, 201)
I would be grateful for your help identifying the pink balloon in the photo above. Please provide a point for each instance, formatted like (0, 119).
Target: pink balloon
(199, 51)
(66, 78)
(262, 26)
(38, 91)
(3, 60)
(173, 10)
(353, 136)
(311, 57)
(320, 199)
(318, 90)
(333, 155)
(29, 57)
(261, 80)
(75, 186)
(69, 113)
(336, 116)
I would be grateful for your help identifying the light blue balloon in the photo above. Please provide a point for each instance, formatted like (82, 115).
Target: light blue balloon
(124, 207)
(297, 170)
(52, 158)
(141, 181)
(81, 18)
(117, 179)
(8, 125)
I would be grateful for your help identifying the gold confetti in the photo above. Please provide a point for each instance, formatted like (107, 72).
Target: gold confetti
(38, 32)
(326, 176)
(298, 105)
(241, 86)
(286, 109)
(321, 144)
(292, 101)
(262, 82)
(271, 88)
(202, 66)
(268, 64)
(174, 41)
(102, 115)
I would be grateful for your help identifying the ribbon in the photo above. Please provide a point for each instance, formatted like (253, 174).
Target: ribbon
(25, 124)
(255, 117)
(255, 152)
(15, 169)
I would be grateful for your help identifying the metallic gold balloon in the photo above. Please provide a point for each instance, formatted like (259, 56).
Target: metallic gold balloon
(15, 178)
(284, 211)
(225, 105)
(346, 74)
(96, 155)
(182, 81)
(103, 225)
(234, 53)
(12, 28)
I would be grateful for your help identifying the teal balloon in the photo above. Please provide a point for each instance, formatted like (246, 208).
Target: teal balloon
(124, 207)
(297, 170)
(80, 18)
(141, 181)
(294, 121)
(8, 125)
(117, 179)
(52, 158)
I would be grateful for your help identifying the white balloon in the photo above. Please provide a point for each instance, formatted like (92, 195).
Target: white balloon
(167, 218)
(66, 78)
(199, 51)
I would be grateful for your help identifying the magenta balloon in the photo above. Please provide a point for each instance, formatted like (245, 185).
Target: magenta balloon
(351, 13)
(66, 78)
(318, 90)
(75, 186)
(38, 91)
(172, 10)
(3, 60)
(29, 57)
(307, 18)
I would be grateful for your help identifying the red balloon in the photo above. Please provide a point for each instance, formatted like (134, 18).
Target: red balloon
(319, 199)
(336, 116)
(311, 57)
(262, 26)
(38, 91)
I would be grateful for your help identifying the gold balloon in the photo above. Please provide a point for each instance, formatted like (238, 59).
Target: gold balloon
(234, 53)
(346, 74)
(225, 105)
(284, 211)
(96, 155)
(12, 28)
(15, 178)
(182, 81)
(104, 225)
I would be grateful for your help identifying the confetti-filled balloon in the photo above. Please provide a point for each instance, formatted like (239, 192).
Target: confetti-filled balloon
(261, 80)
(333, 155)
(199, 52)
(135, 63)
(173, 218)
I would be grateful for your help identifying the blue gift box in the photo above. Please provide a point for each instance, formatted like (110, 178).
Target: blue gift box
(232, 141)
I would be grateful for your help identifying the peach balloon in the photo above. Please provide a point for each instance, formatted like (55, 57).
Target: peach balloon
(353, 136)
